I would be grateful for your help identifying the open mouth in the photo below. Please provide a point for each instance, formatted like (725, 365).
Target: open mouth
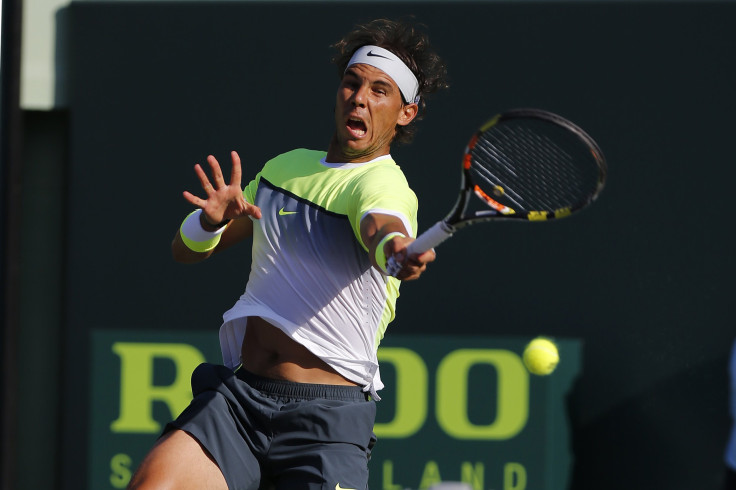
(356, 126)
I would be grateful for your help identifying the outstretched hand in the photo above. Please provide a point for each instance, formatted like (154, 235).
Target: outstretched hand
(224, 201)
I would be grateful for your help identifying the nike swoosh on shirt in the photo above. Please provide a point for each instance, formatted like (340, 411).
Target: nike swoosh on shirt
(338, 487)
(284, 213)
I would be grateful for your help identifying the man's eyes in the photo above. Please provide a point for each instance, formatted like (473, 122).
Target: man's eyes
(353, 84)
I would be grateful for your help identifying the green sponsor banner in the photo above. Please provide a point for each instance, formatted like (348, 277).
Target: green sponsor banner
(454, 408)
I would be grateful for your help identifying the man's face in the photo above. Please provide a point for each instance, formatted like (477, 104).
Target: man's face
(369, 106)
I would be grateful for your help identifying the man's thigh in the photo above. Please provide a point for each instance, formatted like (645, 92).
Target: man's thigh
(327, 467)
(178, 461)
(322, 444)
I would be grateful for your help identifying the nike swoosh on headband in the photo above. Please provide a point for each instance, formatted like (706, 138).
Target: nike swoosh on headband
(371, 53)
(391, 65)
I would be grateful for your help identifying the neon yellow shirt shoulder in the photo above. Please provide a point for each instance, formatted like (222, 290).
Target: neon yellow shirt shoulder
(350, 189)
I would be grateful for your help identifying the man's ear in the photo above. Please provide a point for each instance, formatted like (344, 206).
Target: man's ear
(408, 113)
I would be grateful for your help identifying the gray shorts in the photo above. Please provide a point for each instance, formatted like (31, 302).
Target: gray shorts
(266, 433)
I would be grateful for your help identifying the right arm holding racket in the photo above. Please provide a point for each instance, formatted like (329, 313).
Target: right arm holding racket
(524, 164)
(388, 233)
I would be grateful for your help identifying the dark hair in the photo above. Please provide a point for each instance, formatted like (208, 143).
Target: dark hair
(409, 44)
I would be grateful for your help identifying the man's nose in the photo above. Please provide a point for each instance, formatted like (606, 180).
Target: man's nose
(359, 97)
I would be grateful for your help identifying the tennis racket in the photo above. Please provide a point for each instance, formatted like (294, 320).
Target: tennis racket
(524, 164)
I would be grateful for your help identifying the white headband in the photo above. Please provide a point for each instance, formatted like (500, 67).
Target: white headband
(392, 66)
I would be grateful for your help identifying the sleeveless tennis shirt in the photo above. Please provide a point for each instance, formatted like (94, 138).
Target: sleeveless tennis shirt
(311, 275)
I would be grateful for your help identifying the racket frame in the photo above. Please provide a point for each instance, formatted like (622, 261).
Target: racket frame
(456, 219)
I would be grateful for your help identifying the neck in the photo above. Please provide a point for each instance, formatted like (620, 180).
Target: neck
(337, 153)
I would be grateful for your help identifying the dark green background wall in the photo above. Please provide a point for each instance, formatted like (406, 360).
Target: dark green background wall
(643, 277)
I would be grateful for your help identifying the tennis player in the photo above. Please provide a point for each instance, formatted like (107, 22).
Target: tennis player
(293, 405)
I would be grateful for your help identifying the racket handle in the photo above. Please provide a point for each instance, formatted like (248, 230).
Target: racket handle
(432, 237)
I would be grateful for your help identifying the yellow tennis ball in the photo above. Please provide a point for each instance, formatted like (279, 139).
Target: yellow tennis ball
(541, 356)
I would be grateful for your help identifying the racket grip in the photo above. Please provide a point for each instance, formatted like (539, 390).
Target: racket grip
(432, 237)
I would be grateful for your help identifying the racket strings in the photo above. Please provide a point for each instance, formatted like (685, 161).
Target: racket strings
(533, 167)
(528, 150)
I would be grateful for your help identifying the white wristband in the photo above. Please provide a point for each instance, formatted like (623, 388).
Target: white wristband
(197, 238)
